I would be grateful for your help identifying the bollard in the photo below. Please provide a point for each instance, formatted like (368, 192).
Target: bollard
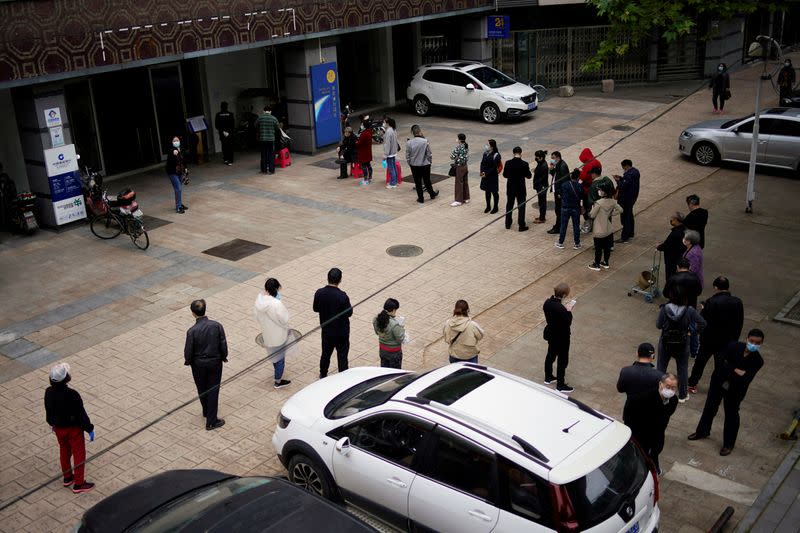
(608, 86)
(566, 91)
(722, 520)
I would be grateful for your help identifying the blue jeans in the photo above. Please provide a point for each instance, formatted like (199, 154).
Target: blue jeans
(470, 360)
(177, 185)
(279, 366)
(391, 166)
(567, 214)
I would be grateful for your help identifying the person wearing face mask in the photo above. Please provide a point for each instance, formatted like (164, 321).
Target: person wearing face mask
(273, 317)
(649, 416)
(390, 148)
(175, 169)
(694, 254)
(490, 164)
(673, 247)
(559, 171)
(738, 364)
(391, 334)
(720, 86)
(540, 178)
(602, 229)
(638, 378)
(460, 158)
(786, 80)
(516, 172)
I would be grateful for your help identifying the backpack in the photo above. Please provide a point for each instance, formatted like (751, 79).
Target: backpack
(674, 335)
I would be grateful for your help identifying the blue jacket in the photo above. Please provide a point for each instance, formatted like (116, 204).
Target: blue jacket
(571, 194)
(629, 187)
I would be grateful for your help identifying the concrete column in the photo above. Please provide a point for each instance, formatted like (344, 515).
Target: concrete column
(10, 146)
(386, 55)
(726, 45)
(416, 36)
(474, 44)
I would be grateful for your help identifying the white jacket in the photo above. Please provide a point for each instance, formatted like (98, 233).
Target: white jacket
(273, 317)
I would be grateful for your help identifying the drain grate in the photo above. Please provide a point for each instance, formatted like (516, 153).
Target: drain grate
(152, 223)
(404, 250)
(790, 314)
(236, 249)
(330, 164)
(622, 127)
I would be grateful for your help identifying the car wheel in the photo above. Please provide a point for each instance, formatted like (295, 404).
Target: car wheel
(490, 113)
(705, 154)
(307, 474)
(421, 106)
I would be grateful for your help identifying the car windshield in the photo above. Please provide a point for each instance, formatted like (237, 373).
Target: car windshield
(179, 513)
(491, 78)
(368, 394)
(730, 123)
(599, 494)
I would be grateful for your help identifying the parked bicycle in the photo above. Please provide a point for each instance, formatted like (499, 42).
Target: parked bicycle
(541, 90)
(122, 215)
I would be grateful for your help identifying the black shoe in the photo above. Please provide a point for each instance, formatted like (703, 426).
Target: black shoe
(184, 207)
(434, 194)
(181, 211)
(553, 231)
(696, 436)
(725, 451)
(488, 208)
(421, 200)
(549, 380)
(524, 228)
(69, 481)
(566, 389)
(282, 383)
(218, 424)
(508, 226)
(594, 266)
(83, 487)
(622, 241)
(493, 211)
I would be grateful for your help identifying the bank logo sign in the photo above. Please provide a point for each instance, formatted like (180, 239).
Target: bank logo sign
(52, 117)
(60, 160)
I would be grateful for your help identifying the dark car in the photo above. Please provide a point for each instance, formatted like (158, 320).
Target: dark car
(791, 101)
(207, 500)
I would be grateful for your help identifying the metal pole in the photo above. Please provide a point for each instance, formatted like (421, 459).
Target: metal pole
(751, 173)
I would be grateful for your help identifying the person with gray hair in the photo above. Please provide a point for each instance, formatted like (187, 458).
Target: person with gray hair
(694, 253)
(205, 350)
(419, 158)
(649, 415)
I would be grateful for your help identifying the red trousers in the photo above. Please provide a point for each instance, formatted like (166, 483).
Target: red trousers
(71, 444)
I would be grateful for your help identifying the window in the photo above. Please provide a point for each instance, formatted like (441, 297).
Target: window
(392, 437)
(452, 388)
(370, 393)
(490, 77)
(524, 494)
(461, 80)
(438, 76)
(747, 127)
(777, 126)
(463, 465)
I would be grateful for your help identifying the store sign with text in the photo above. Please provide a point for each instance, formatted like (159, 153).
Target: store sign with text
(498, 27)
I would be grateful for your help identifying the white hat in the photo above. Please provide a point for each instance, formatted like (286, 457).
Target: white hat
(59, 372)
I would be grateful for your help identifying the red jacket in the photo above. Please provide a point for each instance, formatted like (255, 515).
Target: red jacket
(589, 162)
(364, 146)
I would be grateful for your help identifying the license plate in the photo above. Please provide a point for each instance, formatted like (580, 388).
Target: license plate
(532, 105)
(634, 529)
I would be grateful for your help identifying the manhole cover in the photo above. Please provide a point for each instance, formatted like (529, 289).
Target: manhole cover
(622, 127)
(330, 164)
(236, 249)
(152, 223)
(404, 250)
(791, 312)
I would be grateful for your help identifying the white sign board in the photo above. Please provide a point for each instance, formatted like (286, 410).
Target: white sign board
(52, 117)
(57, 136)
(60, 160)
(69, 210)
(197, 123)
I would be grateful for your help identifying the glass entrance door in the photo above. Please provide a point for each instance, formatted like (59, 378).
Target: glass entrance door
(168, 104)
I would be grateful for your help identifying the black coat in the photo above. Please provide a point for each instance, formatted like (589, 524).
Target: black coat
(560, 174)
(64, 408)
(720, 82)
(724, 316)
(684, 284)
(205, 343)
(489, 180)
(541, 177)
(635, 380)
(516, 172)
(731, 358)
(628, 188)
(559, 320)
(697, 221)
(224, 121)
(673, 249)
(329, 301)
(649, 417)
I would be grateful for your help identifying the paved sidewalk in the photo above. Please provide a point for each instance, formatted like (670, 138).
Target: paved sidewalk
(778, 506)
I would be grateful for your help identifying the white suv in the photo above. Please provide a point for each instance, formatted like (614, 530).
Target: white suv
(470, 85)
(466, 448)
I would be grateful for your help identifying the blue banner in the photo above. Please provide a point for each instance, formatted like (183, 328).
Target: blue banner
(498, 27)
(65, 186)
(325, 92)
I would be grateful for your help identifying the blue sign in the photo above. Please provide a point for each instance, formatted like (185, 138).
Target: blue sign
(498, 27)
(325, 92)
(65, 186)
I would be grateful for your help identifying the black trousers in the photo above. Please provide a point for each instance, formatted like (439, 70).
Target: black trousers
(268, 156)
(227, 148)
(422, 178)
(626, 218)
(542, 200)
(518, 198)
(342, 347)
(718, 97)
(558, 352)
(602, 246)
(700, 362)
(557, 225)
(731, 402)
(651, 441)
(207, 379)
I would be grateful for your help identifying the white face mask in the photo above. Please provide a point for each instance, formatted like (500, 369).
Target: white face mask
(486, 147)
(667, 393)
(720, 69)
(552, 161)
(278, 296)
(176, 144)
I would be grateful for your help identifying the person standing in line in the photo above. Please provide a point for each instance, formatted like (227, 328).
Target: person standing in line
(786, 80)
(268, 131)
(420, 158)
(720, 86)
(335, 311)
(225, 124)
(346, 152)
(516, 172)
(588, 164)
(559, 170)
(67, 417)
(391, 334)
(176, 167)
(273, 317)
(673, 247)
(738, 364)
(364, 150)
(724, 316)
(694, 254)
(684, 283)
(674, 320)
(205, 350)
(558, 316)
(697, 218)
(462, 334)
(460, 157)
(649, 416)
(638, 378)
(540, 179)
(627, 194)
(602, 229)
(490, 163)
(570, 210)
(598, 182)
(390, 148)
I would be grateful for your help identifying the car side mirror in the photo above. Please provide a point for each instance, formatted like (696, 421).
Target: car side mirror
(470, 87)
(343, 446)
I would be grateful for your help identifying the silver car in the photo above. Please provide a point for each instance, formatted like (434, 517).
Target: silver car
(731, 139)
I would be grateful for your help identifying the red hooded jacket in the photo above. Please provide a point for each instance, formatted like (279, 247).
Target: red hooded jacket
(364, 146)
(589, 162)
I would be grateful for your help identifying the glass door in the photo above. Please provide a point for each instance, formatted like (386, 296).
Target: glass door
(168, 104)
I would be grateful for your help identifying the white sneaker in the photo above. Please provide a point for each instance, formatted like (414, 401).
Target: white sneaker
(466, 201)
(455, 204)
(388, 186)
(393, 186)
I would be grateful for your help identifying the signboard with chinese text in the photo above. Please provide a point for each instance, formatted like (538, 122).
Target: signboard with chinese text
(325, 92)
(64, 180)
(498, 27)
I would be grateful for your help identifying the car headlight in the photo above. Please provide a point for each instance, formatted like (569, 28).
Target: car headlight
(509, 98)
(283, 422)
(686, 135)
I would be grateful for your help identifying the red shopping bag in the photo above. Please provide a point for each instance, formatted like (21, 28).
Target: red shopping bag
(399, 173)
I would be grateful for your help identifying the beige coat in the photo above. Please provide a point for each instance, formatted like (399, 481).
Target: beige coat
(466, 345)
(602, 211)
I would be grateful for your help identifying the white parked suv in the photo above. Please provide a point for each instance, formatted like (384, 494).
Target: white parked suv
(470, 85)
(466, 448)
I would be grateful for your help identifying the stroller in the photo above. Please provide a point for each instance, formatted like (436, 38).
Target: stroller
(647, 283)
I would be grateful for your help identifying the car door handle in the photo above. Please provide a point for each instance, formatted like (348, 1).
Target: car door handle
(482, 516)
(762, 142)
(396, 482)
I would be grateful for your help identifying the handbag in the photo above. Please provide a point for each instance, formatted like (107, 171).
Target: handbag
(727, 94)
(452, 171)
(185, 176)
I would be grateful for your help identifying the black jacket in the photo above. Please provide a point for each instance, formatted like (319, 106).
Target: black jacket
(175, 163)
(685, 284)
(224, 121)
(697, 221)
(560, 175)
(720, 81)
(673, 247)
(731, 358)
(559, 320)
(628, 188)
(724, 314)
(649, 417)
(205, 343)
(516, 172)
(329, 301)
(541, 177)
(64, 408)
(635, 380)
(571, 192)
